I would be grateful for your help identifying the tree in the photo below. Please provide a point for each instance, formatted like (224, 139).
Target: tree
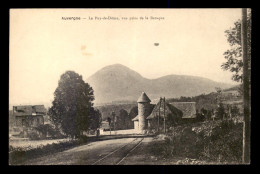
(123, 120)
(238, 60)
(132, 114)
(95, 119)
(72, 105)
(233, 56)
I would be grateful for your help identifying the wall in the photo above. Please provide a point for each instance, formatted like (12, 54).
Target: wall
(143, 112)
(136, 125)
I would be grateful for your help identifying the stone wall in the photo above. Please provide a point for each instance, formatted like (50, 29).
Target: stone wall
(143, 112)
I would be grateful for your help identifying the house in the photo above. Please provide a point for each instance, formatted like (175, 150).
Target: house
(105, 125)
(150, 114)
(29, 115)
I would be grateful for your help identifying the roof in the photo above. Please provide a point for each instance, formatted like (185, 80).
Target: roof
(155, 101)
(188, 108)
(168, 109)
(143, 98)
(136, 118)
(24, 110)
(40, 108)
(180, 109)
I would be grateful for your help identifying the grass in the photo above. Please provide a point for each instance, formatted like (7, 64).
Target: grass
(18, 155)
(25, 142)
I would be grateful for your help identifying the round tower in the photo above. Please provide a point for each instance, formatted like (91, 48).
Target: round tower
(143, 110)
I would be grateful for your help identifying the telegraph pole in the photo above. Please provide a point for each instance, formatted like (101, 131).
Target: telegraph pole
(246, 127)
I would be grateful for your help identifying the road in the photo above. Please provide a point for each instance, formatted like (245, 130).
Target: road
(123, 151)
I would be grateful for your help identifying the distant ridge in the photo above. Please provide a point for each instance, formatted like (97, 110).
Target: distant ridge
(118, 82)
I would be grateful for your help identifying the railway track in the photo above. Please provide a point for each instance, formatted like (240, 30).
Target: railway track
(120, 154)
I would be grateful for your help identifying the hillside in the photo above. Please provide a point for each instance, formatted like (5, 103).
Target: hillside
(118, 82)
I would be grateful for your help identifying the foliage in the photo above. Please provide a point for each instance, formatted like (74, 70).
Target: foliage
(44, 132)
(233, 56)
(133, 112)
(213, 141)
(206, 104)
(220, 111)
(124, 120)
(33, 135)
(48, 130)
(109, 121)
(234, 111)
(95, 119)
(72, 105)
(106, 110)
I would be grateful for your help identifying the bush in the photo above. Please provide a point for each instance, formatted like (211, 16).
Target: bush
(226, 142)
(43, 132)
(54, 133)
(216, 141)
(33, 135)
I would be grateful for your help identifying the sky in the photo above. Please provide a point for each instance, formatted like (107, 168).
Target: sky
(43, 46)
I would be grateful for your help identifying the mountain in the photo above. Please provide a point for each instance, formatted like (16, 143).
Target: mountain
(119, 83)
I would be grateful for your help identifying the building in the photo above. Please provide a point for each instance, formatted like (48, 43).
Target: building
(105, 125)
(188, 109)
(144, 110)
(150, 115)
(29, 115)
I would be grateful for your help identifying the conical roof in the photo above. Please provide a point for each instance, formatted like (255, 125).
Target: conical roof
(143, 98)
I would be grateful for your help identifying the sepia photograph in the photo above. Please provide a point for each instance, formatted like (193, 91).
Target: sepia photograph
(129, 86)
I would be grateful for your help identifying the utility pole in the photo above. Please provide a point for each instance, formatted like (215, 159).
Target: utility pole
(164, 114)
(159, 114)
(246, 127)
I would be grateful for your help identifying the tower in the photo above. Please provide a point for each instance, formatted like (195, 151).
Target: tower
(143, 110)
